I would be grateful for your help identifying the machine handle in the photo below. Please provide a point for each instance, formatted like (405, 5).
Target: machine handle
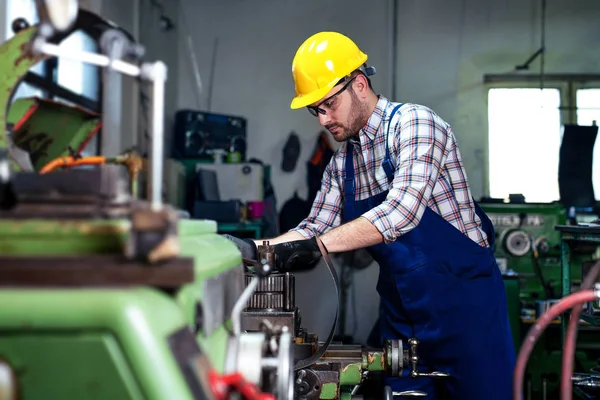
(414, 360)
(388, 394)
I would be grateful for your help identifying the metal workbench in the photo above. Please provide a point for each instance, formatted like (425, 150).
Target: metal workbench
(570, 234)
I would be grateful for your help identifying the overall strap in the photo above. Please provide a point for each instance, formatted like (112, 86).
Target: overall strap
(387, 164)
(349, 172)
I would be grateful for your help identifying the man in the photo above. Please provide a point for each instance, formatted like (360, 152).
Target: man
(397, 186)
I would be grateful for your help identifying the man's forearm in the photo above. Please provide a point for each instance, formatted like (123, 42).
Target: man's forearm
(286, 237)
(354, 235)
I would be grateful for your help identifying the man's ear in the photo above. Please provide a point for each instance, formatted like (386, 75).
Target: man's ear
(362, 86)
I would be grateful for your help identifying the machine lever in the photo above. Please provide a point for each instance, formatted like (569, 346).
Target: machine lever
(414, 360)
(388, 394)
(410, 394)
(433, 374)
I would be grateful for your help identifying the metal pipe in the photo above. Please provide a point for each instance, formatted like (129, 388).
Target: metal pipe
(240, 304)
(113, 43)
(157, 73)
(87, 57)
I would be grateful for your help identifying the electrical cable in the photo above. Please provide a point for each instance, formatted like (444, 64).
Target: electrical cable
(566, 384)
(353, 302)
(536, 331)
(537, 269)
(543, 44)
(70, 161)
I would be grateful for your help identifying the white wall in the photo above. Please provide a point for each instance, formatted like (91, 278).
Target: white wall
(444, 49)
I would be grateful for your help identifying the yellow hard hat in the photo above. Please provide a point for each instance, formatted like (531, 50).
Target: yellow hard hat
(320, 62)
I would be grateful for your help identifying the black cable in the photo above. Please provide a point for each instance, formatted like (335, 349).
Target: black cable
(353, 301)
(543, 45)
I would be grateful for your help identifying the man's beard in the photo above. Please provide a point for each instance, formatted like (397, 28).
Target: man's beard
(357, 119)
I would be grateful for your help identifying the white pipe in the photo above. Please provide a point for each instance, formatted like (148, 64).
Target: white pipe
(236, 313)
(89, 58)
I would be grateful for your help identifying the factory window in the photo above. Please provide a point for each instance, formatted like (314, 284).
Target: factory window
(524, 142)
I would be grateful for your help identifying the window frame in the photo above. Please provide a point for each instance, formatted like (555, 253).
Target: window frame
(567, 85)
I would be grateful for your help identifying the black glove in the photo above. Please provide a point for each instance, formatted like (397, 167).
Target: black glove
(299, 255)
(246, 246)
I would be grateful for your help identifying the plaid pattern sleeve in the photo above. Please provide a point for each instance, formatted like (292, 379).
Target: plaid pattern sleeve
(418, 153)
(326, 208)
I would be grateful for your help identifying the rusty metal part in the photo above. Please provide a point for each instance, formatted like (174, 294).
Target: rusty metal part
(93, 270)
(134, 164)
(153, 235)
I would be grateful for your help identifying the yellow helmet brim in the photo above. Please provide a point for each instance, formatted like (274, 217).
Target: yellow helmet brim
(310, 98)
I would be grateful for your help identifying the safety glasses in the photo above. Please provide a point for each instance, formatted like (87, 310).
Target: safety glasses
(328, 102)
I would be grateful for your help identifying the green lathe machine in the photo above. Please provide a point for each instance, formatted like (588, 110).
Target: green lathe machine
(107, 291)
(528, 251)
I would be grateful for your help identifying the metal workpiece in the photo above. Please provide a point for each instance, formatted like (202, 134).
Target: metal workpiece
(266, 258)
(273, 301)
(274, 292)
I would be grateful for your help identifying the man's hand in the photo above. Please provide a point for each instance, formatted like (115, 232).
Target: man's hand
(246, 247)
(298, 255)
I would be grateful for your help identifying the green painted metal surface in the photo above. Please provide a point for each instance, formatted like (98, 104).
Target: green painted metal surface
(140, 319)
(329, 391)
(212, 253)
(47, 129)
(90, 365)
(215, 347)
(14, 64)
(351, 374)
(62, 237)
(373, 361)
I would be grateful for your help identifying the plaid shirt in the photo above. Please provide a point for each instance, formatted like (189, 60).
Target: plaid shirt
(428, 172)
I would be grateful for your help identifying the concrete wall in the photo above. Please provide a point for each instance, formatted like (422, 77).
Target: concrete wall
(443, 50)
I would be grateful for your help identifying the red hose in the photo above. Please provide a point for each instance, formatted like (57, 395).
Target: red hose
(568, 359)
(221, 386)
(536, 331)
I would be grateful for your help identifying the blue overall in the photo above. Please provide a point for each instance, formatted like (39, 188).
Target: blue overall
(439, 286)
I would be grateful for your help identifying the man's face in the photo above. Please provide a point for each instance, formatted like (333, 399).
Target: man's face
(342, 112)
